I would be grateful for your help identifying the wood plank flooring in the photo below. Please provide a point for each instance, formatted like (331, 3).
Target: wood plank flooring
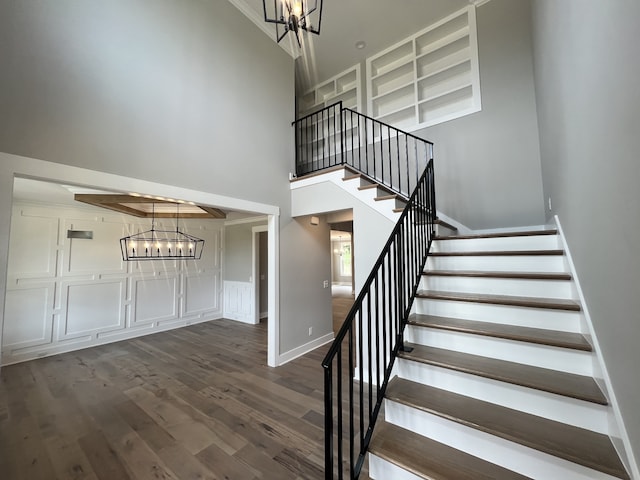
(194, 403)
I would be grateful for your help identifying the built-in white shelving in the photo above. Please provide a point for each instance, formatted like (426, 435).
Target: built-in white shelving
(428, 78)
(343, 87)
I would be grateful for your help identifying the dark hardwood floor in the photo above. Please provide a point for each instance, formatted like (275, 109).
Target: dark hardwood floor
(194, 403)
(342, 300)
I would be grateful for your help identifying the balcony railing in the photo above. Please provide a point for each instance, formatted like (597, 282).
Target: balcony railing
(337, 136)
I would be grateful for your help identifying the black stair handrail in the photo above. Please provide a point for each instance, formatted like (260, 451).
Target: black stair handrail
(372, 334)
(335, 136)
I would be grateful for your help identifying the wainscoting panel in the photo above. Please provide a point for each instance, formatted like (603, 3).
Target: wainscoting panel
(201, 293)
(33, 247)
(93, 307)
(239, 301)
(155, 299)
(96, 255)
(28, 317)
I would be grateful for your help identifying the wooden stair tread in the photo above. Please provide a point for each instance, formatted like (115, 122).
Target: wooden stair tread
(439, 221)
(386, 197)
(496, 274)
(554, 338)
(498, 253)
(351, 176)
(318, 173)
(432, 460)
(527, 233)
(560, 383)
(594, 450)
(511, 300)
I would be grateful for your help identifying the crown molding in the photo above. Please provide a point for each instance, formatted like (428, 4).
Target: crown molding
(256, 18)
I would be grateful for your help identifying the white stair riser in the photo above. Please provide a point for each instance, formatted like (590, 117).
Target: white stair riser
(543, 356)
(510, 455)
(562, 320)
(574, 412)
(500, 263)
(381, 469)
(501, 286)
(533, 242)
(367, 196)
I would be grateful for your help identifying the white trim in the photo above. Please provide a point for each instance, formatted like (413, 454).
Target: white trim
(273, 326)
(618, 432)
(267, 28)
(65, 174)
(306, 348)
(242, 221)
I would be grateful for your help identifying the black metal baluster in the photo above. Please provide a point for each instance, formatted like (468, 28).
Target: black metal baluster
(339, 411)
(351, 403)
(361, 376)
(328, 422)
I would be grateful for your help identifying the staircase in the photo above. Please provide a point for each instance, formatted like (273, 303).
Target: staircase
(499, 380)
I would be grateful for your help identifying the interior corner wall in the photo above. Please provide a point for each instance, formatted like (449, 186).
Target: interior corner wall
(306, 249)
(487, 164)
(587, 66)
(238, 241)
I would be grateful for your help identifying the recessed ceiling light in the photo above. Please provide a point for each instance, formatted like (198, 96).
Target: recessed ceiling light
(360, 44)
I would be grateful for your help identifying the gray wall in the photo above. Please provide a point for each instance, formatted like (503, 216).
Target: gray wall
(157, 90)
(488, 164)
(154, 89)
(587, 65)
(238, 252)
(307, 248)
(263, 272)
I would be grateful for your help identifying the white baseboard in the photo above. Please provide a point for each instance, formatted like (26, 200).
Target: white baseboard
(304, 349)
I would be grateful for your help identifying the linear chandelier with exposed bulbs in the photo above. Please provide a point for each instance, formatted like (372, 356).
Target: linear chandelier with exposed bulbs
(161, 244)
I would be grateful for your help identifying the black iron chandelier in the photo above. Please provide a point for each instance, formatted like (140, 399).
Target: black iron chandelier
(161, 244)
(293, 16)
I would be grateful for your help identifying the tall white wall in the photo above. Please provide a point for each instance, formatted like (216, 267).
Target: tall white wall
(65, 294)
(587, 62)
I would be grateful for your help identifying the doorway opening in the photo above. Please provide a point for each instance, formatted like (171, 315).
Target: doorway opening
(342, 272)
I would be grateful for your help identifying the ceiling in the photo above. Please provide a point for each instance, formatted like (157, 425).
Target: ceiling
(39, 192)
(378, 23)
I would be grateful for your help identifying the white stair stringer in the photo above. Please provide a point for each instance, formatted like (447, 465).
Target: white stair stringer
(524, 460)
(367, 196)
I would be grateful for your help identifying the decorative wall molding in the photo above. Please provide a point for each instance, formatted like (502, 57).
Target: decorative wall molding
(65, 294)
(239, 301)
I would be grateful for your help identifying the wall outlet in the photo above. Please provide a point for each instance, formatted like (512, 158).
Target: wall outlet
(325, 284)
(310, 331)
